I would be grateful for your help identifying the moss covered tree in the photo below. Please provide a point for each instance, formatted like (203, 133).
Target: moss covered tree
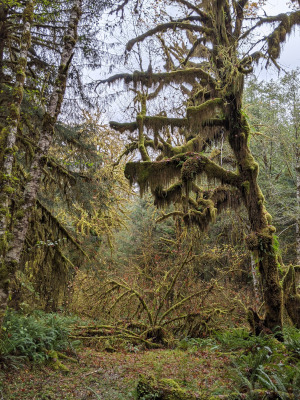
(182, 158)
(39, 41)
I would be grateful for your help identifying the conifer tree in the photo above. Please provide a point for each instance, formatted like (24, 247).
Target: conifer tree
(38, 42)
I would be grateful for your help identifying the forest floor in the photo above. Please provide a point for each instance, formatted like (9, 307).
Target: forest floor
(112, 376)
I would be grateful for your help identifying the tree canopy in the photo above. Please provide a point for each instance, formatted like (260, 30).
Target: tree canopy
(200, 159)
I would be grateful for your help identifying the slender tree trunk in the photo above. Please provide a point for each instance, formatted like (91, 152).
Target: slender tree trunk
(255, 283)
(8, 137)
(291, 296)
(16, 245)
(298, 198)
(3, 34)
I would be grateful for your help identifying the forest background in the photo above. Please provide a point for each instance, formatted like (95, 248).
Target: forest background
(75, 237)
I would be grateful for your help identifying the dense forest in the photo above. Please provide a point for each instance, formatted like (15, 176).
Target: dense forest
(155, 255)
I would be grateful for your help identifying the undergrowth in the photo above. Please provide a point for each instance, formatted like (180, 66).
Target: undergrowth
(31, 337)
(263, 363)
(252, 367)
(258, 363)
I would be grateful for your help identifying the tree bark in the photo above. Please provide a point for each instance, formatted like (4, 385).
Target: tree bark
(255, 283)
(297, 197)
(8, 137)
(261, 239)
(291, 297)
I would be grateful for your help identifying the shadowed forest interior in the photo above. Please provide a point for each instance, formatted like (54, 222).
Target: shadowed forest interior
(150, 200)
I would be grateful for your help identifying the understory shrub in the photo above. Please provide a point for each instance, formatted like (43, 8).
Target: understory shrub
(262, 363)
(31, 337)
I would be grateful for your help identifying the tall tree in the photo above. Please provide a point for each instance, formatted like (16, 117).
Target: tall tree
(39, 40)
(208, 63)
(273, 109)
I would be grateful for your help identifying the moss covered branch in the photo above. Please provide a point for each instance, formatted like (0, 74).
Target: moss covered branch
(149, 79)
(164, 27)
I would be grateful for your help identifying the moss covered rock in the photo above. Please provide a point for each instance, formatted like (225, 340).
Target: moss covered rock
(164, 389)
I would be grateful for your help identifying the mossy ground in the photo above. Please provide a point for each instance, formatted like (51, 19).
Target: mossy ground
(112, 376)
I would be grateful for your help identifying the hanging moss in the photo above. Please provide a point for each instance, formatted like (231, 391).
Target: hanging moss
(158, 122)
(165, 197)
(278, 36)
(152, 174)
(202, 219)
(186, 75)
(225, 197)
(191, 168)
(198, 164)
(194, 145)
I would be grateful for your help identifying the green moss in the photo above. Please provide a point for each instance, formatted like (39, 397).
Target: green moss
(210, 109)
(157, 122)
(55, 363)
(18, 94)
(14, 111)
(122, 127)
(71, 40)
(164, 389)
(152, 174)
(22, 62)
(269, 218)
(246, 186)
(252, 241)
(8, 189)
(171, 383)
(21, 74)
(166, 197)
(28, 13)
(9, 150)
(19, 214)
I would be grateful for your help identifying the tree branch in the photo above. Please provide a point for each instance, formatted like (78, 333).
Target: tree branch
(163, 28)
(149, 79)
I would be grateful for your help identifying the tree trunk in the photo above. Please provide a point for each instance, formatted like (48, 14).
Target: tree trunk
(255, 283)
(261, 240)
(298, 198)
(291, 297)
(8, 137)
